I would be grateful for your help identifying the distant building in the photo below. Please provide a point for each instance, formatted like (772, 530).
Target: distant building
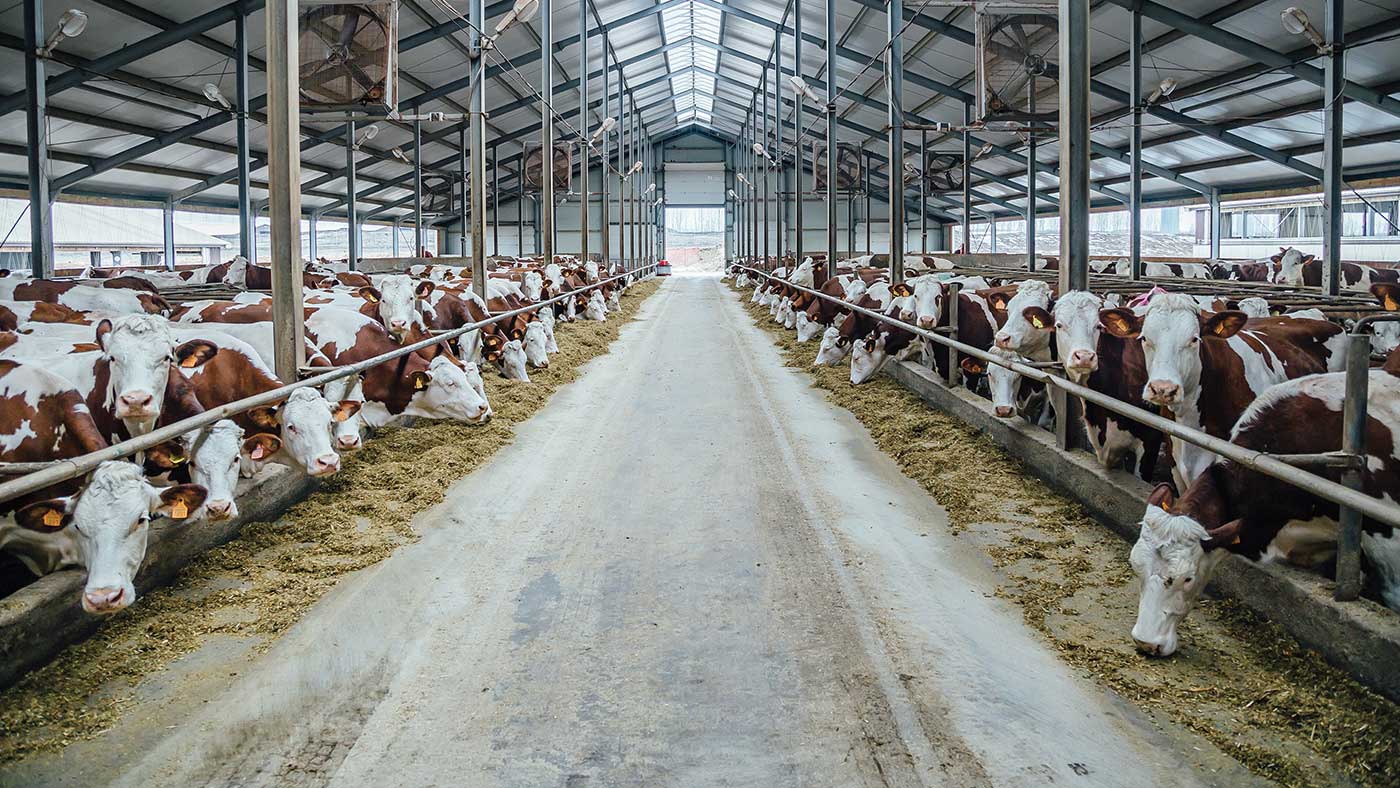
(104, 237)
(1257, 228)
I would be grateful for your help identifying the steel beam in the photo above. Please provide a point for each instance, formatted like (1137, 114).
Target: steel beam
(476, 123)
(352, 216)
(168, 233)
(41, 254)
(583, 148)
(1215, 228)
(603, 165)
(247, 234)
(547, 131)
(284, 196)
(418, 188)
(1074, 144)
(778, 146)
(1135, 146)
(797, 129)
(894, 82)
(1333, 111)
(831, 138)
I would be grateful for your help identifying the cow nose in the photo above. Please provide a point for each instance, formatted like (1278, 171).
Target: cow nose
(1003, 341)
(906, 315)
(104, 600)
(219, 509)
(1162, 391)
(398, 325)
(1150, 649)
(137, 401)
(926, 322)
(1083, 359)
(1005, 412)
(348, 441)
(327, 464)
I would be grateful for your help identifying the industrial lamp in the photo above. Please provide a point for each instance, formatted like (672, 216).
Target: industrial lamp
(1163, 89)
(212, 92)
(523, 11)
(70, 25)
(636, 168)
(366, 134)
(1296, 22)
(733, 195)
(744, 181)
(607, 126)
(659, 201)
(762, 151)
(398, 153)
(800, 86)
(649, 190)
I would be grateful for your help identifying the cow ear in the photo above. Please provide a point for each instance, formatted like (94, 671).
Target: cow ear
(1163, 497)
(345, 409)
(1121, 322)
(370, 294)
(999, 301)
(1225, 324)
(973, 366)
(424, 289)
(104, 327)
(421, 380)
(261, 446)
(265, 417)
(85, 347)
(1388, 294)
(1038, 318)
(195, 352)
(46, 517)
(167, 456)
(177, 502)
(1224, 536)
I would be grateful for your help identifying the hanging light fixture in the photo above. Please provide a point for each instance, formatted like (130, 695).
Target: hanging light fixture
(212, 92)
(522, 11)
(606, 126)
(398, 153)
(366, 134)
(800, 86)
(1163, 89)
(1296, 21)
(70, 25)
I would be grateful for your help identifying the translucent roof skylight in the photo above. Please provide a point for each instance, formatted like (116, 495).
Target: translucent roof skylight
(694, 31)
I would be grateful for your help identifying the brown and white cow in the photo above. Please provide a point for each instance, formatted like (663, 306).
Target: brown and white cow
(1206, 368)
(1232, 509)
(111, 300)
(1298, 269)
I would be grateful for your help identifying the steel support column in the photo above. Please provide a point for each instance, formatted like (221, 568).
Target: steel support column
(778, 145)
(1074, 145)
(621, 168)
(37, 128)
(1215, 229)
(763, 103)
(464, 213)
(495, 201)
(547, 130)
(168, 233)
(797, 130)
(866, 170)
(247, 236)
(923, 188)
(605, 176)
(966, 182)
(476, 129)
(1031, 176)
(894, 83)
(520, 207)
(1135, 147)
(351, 211)
(1334, 82)
(284, 181)
(418, 188)
(311, 248)
(830, 136)
(584, 195)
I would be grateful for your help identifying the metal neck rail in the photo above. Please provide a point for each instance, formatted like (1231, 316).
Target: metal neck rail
(1347, 495)
(73, 467)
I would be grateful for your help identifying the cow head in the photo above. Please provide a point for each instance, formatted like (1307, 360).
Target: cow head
(1174, 557)
(347, 423)
(1290, 266)
(834, 347)
(443, 391)
(307, 419)
(1003, 382)
(216, 460)
(109, 522)
(595, 308)
(1077, 329)
(553, 279)
(532, 285)
(803, 274)
(807, 328)
(1022, 333)
(1171, 334)
(139, 350)
(535, 344)
(868, 357)
(1385, 337)
(396, 302)
(926, 306)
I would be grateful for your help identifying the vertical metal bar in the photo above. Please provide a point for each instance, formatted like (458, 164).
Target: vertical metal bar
(398, 227)
(767, 227)
(1215, 228)
(866, 169)
(168, 233)
(894, 82)
(247, 237)
(476, 129)
(778, 143)
(1031, 210)
(1074, 145)
(992, 229)
(923, 191)
(798, 158)
(830, 113)
(351, 211)
(311, 246)
(418, 188)
(966, 181)
(547, 129)
(464, 178)
(520, 206)
(37, 129)
(284, 199)
(1354, 443)
(621, 168)
(954, 371)
(495, 200)
(1334, 80)
(1135, 147)
(606, 221)
(583, 190)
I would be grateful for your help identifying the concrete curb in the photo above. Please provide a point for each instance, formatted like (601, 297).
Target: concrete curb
(1362, 637)
(41, 619)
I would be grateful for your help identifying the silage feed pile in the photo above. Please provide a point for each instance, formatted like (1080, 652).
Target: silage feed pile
(258, 585)
(1238, 681)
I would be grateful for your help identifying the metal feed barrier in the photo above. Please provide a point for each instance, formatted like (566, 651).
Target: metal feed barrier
(40, 475)
(1287, 468)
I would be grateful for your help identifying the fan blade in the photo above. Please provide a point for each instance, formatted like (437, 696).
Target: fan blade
(350, 25)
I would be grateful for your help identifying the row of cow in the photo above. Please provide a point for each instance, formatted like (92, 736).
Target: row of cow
(86, 364)
(1266, 382)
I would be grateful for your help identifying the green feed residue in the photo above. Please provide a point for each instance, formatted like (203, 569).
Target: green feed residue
(1238, 681)
(264, 581)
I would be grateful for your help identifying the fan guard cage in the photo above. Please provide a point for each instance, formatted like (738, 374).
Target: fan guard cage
(348, 54)
(438, 194)
(850, 168)
(1018, 55)
(943, 171)
(563, 167)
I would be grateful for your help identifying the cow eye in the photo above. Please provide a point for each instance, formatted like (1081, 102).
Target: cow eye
(1195, 340)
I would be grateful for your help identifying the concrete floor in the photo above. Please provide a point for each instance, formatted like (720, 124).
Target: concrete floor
(689, 570)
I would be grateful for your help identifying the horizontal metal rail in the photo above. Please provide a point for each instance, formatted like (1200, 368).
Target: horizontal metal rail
(73, 467)
(1263, 462)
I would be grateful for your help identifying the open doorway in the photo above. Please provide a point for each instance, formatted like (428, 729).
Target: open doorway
(695, 239)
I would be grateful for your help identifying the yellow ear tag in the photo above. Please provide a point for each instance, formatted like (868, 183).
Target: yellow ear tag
(189, 361)
(53, 518)
(178, 460)
(1037, 322)
(179, 510)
